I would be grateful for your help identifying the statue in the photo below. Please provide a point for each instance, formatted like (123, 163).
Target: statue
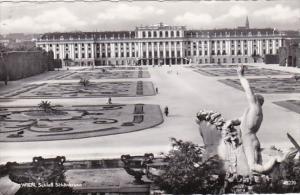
(136, 165)
(238, 147)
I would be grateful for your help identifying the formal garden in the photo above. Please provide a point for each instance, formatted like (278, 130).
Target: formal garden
(268, 85)
(100, 74)
(82, 89)
(47, 122)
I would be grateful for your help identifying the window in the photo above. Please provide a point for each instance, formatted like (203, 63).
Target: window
(117, 54)
(232, 52)
(223, 52)
(177, 33)
(233, 61)
(172, 34)
(160, 34)
(167, 33)
(271, 51)
(144, 34)
(245, 52)
(89, 55)
(57, 56)
(149, 34)
(82, 55)
(76, 55)
(155, 34)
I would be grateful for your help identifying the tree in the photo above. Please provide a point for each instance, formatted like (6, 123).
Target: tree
(188, 172)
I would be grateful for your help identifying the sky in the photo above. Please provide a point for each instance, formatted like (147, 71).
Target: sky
(44, 17)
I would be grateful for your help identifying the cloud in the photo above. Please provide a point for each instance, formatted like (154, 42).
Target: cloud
(237, 11)
(279, 13)
(125, 12)
(206, 20)
(194, 20)
(59, 19)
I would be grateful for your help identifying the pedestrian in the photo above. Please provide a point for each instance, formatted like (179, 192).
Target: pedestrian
(109, 100)
(166, 111)
(156, 89)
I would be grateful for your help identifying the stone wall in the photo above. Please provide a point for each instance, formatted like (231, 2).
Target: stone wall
(21, 64)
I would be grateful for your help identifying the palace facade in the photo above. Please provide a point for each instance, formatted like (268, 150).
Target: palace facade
(164, 45)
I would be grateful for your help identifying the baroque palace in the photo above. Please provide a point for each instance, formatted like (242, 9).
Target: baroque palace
(164, 45)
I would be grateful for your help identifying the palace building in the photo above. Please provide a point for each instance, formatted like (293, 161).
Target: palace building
(164, 45)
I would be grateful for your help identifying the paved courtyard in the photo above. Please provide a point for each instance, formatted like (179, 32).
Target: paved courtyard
(183, 90)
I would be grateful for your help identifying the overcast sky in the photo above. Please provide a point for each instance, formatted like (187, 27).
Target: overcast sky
(103, 16)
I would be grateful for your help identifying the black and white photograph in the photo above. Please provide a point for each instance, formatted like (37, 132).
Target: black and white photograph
(149, 97)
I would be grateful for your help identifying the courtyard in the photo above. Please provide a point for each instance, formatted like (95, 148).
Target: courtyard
(180, 88)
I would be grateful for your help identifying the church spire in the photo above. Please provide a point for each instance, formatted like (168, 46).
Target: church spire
(247, 23)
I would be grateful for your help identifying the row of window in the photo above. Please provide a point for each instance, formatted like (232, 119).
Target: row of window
(160, 34)
(186, 42)
(167, 54)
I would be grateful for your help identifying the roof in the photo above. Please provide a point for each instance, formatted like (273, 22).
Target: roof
(89, 35)
(231, 32)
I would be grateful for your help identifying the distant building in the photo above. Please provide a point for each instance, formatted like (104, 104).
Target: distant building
(163, 44)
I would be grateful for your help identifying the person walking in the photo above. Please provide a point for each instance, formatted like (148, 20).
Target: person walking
(166, 111)
(156, 90)
(109, 100)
